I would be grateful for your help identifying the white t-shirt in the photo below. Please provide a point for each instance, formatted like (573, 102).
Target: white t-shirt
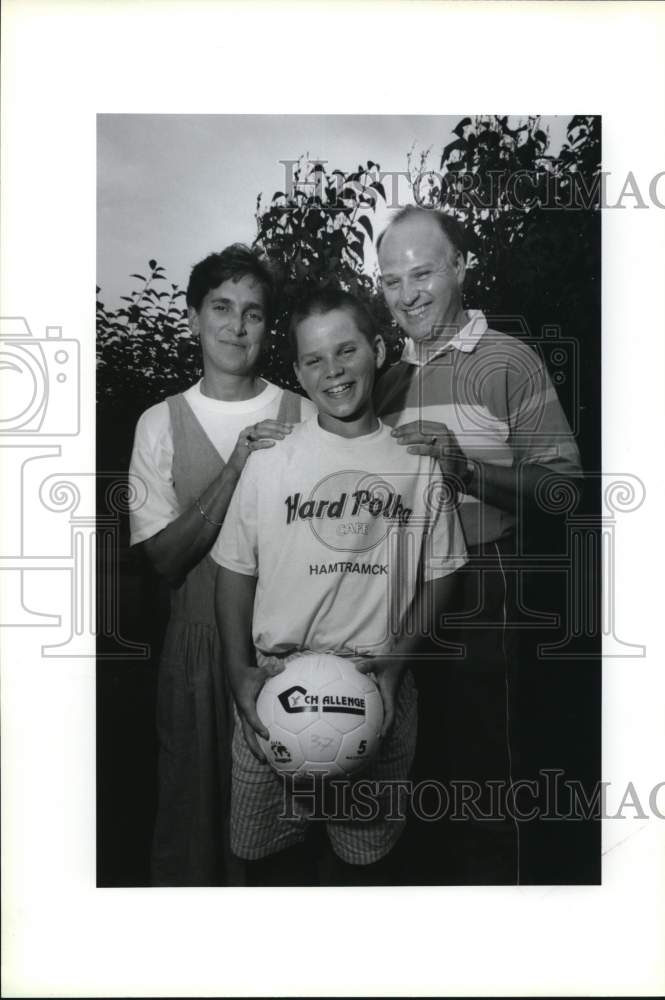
(152, 456)
(335, 529)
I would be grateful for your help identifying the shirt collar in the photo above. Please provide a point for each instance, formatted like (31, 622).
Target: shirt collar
(466, 340)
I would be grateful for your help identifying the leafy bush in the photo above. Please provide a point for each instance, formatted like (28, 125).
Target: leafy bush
(145, 349)
(313, 235)
(515, 200)
(534, 238)
(534, 259)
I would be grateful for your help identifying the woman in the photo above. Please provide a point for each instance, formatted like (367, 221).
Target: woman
(189, 451)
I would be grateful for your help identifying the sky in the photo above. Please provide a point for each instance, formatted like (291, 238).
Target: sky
(176, 187)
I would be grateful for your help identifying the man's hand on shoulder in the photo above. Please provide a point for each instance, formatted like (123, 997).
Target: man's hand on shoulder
(427, 437)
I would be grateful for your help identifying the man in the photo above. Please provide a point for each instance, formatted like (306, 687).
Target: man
(482, 403)
(340, 544)
(189, 451)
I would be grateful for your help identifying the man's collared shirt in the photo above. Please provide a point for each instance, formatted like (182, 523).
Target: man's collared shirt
(464, 339)
(494, 393)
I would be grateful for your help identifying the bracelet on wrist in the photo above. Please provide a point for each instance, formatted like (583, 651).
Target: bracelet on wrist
(217, 524)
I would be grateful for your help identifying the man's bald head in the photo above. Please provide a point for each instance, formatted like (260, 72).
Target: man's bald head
(422, 261)
(451, 229)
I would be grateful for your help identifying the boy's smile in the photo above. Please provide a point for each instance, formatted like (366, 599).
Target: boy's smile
(336, 367)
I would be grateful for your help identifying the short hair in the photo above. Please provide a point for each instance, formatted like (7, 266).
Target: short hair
(322, 301)
(450, 227)
(233, 263)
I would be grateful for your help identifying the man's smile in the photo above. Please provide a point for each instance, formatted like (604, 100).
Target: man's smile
(415, 312)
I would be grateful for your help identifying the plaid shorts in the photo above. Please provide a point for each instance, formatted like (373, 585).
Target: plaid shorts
(269, 813)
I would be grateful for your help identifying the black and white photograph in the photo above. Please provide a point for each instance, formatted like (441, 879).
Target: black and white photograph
(330, 613)
(356, 390)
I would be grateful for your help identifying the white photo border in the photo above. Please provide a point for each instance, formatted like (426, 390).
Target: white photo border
(65, 62)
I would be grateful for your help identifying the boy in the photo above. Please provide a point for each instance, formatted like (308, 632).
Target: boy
(322, 551)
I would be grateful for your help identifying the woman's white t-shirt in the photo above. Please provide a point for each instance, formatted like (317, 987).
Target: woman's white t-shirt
(152, 455)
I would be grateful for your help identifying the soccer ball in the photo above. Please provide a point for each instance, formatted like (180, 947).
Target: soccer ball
(323, 716)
